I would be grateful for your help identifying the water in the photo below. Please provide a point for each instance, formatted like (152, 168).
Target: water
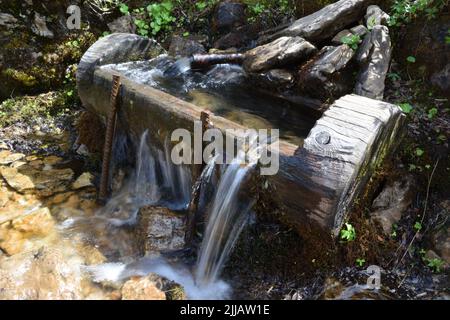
(224, 90)
(226, 220)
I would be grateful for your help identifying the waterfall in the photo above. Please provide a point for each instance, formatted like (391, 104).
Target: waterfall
(145, 187)
(227, 216)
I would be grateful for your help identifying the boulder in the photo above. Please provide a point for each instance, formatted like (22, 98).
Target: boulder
(124, 24)
(324, 75)
(393, 200)
(228, 15)
(161, 230)
(375, 16)
(278, 53)
(185, 46)
(374, 57)
(275, 79)
(324, 23)
(143, 288)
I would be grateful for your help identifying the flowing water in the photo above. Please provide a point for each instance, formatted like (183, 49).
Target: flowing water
(227, 214)
(224, 90)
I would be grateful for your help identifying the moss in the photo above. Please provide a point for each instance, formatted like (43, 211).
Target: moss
(27, 108)
(21, 77)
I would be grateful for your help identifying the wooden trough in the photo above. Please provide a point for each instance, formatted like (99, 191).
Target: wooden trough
(316, 183)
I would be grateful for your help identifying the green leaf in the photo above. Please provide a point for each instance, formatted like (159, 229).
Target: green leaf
(417, 226)
(411, 59)
(419, 152)
(406, 107)
(432, 113)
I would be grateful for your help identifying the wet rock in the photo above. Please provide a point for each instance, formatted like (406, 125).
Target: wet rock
(40, 28)
(7, 20)
(375, 58)
(38, 223)
(26, 179)
(22, 230)
(124, 24)
(185, 46)
(161, 230)
(83, 181)
(324, 23)
(441, 79)
(278, 53)
(44, 274)
(375, 16)
(143, 288)
(7, 157)
(324, 75)
(393, 200)
(228, 15)
(275, 79)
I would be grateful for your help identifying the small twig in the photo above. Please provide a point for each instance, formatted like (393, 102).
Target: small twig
(423, 214)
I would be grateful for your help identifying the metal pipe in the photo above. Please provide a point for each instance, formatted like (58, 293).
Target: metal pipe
(201, 61)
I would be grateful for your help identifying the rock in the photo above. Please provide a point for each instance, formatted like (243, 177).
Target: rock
(275, 79)
(45, 183)
(337, 40)
(124, 24)
(359, 30)
(228, 15)
(22, 230)
(441, 79)
(375, 58)
(185, 46)
(393, 200)
(83, 181)
(324, 75)
(15, 180)
(240, 37)
(324, 23)
(83, 151)
(278, 53)
(44, 274)
(7, 20)
(39, 223)
(7, 157)
(375, 16)
(144, 288)
(161, 230)
(40, 28)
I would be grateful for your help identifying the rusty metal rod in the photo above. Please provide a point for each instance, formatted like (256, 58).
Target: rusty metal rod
(193, 205)
(109, 138)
